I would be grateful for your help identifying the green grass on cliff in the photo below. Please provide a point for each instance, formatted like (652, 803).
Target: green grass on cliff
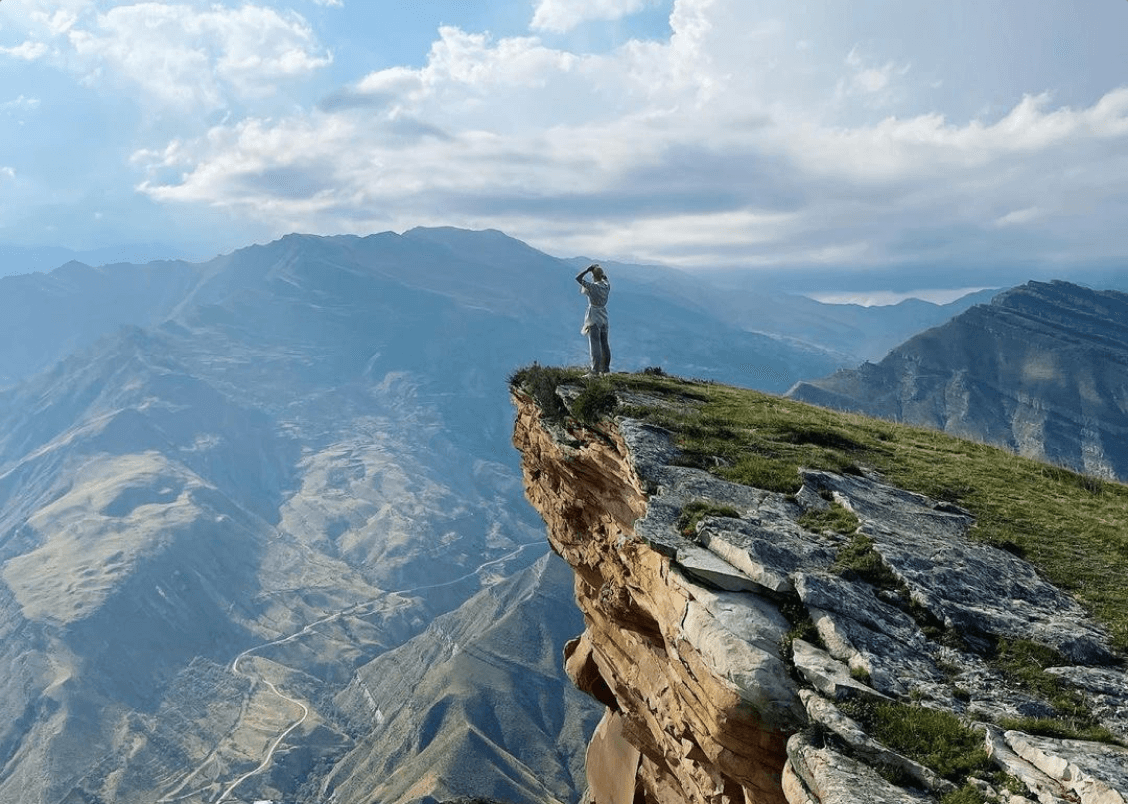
(1072, 527)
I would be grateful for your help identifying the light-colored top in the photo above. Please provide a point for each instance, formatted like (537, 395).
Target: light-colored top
(597, 293)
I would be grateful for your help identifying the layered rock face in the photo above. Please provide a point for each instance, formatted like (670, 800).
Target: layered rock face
(710, 697)
(1041, 370)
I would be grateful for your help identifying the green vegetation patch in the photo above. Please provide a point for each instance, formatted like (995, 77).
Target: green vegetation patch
(697, 510)
(1023, 663)
(967, 794)
(859, 559)
(596, 401)
(837, 519)
(541, 382)
(802, 627)
(937, 739)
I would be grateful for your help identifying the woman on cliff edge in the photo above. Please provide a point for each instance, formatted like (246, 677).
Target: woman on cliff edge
(595, 320)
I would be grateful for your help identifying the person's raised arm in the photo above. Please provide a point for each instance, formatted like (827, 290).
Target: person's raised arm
(581, 274)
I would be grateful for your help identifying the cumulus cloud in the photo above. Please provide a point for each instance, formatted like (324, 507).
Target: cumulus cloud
(561, 16)
(527, 120)
(181, 54)
(727, 143)
(28, 51)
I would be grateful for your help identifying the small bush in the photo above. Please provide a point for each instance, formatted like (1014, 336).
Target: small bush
(967, 794)
(541, 382)
(595, 401)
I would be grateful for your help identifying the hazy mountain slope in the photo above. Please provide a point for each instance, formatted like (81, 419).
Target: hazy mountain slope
(485, 675)
(293, 463)
(30, 259)
(1042, 370)
(44, 317)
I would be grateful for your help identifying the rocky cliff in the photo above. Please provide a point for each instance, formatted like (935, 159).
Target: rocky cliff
(1041, 370)
(838, 639)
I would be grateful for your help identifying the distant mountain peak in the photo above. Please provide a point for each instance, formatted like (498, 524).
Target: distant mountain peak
(1040, 370)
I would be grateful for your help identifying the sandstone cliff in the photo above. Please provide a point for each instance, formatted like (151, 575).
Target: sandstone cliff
(843, 641)
(1042, 370)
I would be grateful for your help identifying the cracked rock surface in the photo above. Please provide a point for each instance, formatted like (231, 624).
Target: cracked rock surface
(690, 637)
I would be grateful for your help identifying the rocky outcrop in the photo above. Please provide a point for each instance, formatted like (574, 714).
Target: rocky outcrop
(739, 662)
(1041, 370)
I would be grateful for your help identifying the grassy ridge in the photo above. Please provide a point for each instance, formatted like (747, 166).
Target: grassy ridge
(1072, 527)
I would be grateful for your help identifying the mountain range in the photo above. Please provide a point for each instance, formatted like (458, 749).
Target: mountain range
(1042, 370)
(238, 498)
(262, 531)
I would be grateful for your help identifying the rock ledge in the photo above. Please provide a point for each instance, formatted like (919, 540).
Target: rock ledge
(689, 639)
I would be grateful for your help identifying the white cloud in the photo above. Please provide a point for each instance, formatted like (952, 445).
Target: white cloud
(725, 144)
(526, 119)
(561, 16)
(181, 54)
(28, 51)
(22, 102)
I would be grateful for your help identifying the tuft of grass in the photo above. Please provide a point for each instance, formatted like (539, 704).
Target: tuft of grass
(1061, 729)
(697, 510)
(837, 518)
(802, 627)
(596, 401)
(1023, 663)
(968, 794)
(859, 559)
(860, 674)
(937, 739)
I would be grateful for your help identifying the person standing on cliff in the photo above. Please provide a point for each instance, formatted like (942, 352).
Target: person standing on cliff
(595, 320)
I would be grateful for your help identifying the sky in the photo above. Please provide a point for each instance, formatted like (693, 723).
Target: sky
(936, 140)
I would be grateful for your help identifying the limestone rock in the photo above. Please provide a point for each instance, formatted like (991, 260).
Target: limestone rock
(829, 777)
(975, 588)
(684, 633)
(864, 747)
(1043, 787)
(612, 763)
(1107, 691)
(827, 675)
(1095, 772)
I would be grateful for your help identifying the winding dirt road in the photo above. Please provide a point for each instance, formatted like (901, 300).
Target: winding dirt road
(177, 793)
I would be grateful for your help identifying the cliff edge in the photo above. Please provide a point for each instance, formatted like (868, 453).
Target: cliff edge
(776, 612)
